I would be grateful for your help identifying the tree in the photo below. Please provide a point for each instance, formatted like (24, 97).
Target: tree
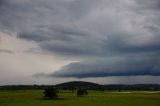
(82, 92)
(50, 93)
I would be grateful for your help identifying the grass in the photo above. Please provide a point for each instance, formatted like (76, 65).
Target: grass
(35, 98)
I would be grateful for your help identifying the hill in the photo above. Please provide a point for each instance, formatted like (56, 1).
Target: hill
(78, 84)
(95, 86)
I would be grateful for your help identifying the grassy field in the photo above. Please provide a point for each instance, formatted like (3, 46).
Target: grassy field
(35, 98)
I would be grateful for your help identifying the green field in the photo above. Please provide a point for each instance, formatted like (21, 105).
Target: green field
(35, 98)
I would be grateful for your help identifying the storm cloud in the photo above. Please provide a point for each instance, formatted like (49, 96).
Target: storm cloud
(107, 37)
(103, 68)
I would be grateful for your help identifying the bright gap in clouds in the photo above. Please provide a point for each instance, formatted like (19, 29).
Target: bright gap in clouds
(20, 60)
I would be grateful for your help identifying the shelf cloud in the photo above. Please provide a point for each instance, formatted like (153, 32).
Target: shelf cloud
(116, 67)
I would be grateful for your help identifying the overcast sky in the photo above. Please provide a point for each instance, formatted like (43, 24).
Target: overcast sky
(102, 41)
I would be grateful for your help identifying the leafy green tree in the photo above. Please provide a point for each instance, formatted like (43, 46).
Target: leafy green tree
(82, 92)
(50, 93)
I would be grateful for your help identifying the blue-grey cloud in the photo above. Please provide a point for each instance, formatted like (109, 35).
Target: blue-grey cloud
(90, 30)
(116, 67)
(2, 2)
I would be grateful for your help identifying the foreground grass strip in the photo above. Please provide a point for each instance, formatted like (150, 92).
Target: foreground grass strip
(35, 98)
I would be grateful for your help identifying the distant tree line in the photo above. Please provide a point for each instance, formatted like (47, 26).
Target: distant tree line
(152, 87)
(24, 87)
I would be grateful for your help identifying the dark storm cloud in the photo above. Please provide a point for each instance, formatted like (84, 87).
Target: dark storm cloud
(2, 2)
(33, 36)
(90, 29)
(111, 67)
(47, 33)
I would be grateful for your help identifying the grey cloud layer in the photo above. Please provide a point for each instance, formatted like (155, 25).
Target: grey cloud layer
(6, 51)
(103, 68)
(90, 28)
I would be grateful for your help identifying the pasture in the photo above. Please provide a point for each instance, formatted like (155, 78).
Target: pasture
(94, 98)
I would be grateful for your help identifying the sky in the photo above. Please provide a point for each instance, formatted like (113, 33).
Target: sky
(101, 41)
